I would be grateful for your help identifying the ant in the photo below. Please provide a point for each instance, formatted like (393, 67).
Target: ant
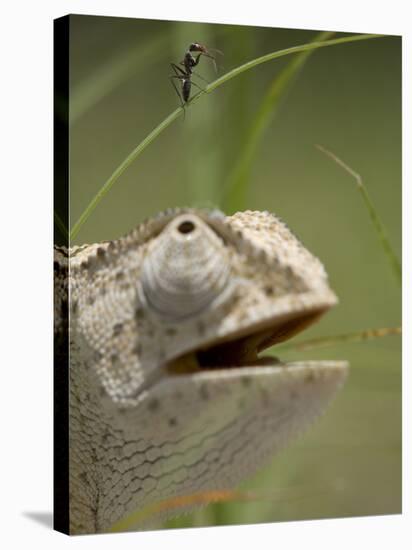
(185, 76)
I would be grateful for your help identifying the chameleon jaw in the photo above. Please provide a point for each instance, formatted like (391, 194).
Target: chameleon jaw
(228, 421)
(243, 349)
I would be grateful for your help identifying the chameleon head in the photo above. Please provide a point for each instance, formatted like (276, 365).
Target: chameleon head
(173, 318)
(190, 291)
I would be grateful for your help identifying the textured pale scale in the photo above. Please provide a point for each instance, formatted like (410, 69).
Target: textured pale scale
(185, 269)
(139, 432)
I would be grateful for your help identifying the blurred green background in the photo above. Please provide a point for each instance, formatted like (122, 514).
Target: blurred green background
(345, 97)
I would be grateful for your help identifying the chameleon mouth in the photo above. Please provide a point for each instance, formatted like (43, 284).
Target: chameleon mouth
(243, 349)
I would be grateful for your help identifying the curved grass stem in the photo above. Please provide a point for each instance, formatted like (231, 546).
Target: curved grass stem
(210, 88)
(373, 214)
(361, 336)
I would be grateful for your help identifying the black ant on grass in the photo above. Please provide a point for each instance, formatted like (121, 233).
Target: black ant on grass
(185, 75)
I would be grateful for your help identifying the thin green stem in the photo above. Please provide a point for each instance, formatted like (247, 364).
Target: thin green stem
(380, 229)
(326, 341)
(121, 168)
(210, 88)
(288, 51)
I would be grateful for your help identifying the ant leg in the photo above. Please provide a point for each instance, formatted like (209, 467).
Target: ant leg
(182, 103)
(178, 71)
(196, 60)
(206, 54)
(213, 58)
(176, 90)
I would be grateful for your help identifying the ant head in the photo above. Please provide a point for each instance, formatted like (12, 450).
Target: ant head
(196, 47)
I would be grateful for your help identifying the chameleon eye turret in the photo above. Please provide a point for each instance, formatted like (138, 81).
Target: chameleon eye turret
(184, 270)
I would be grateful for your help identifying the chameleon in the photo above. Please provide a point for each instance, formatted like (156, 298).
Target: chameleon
(170, 393)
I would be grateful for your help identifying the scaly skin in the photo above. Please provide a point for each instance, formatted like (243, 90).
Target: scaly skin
(167, 395)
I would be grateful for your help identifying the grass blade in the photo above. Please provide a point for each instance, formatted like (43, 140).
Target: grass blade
(206, 498)
(326, 341)
(234, 191)
(210, 88)
(386, 245)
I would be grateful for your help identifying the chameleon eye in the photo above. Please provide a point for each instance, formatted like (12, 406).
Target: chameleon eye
(186, 226)
(185, 269)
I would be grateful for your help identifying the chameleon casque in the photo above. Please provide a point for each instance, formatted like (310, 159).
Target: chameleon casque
(169, 393)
